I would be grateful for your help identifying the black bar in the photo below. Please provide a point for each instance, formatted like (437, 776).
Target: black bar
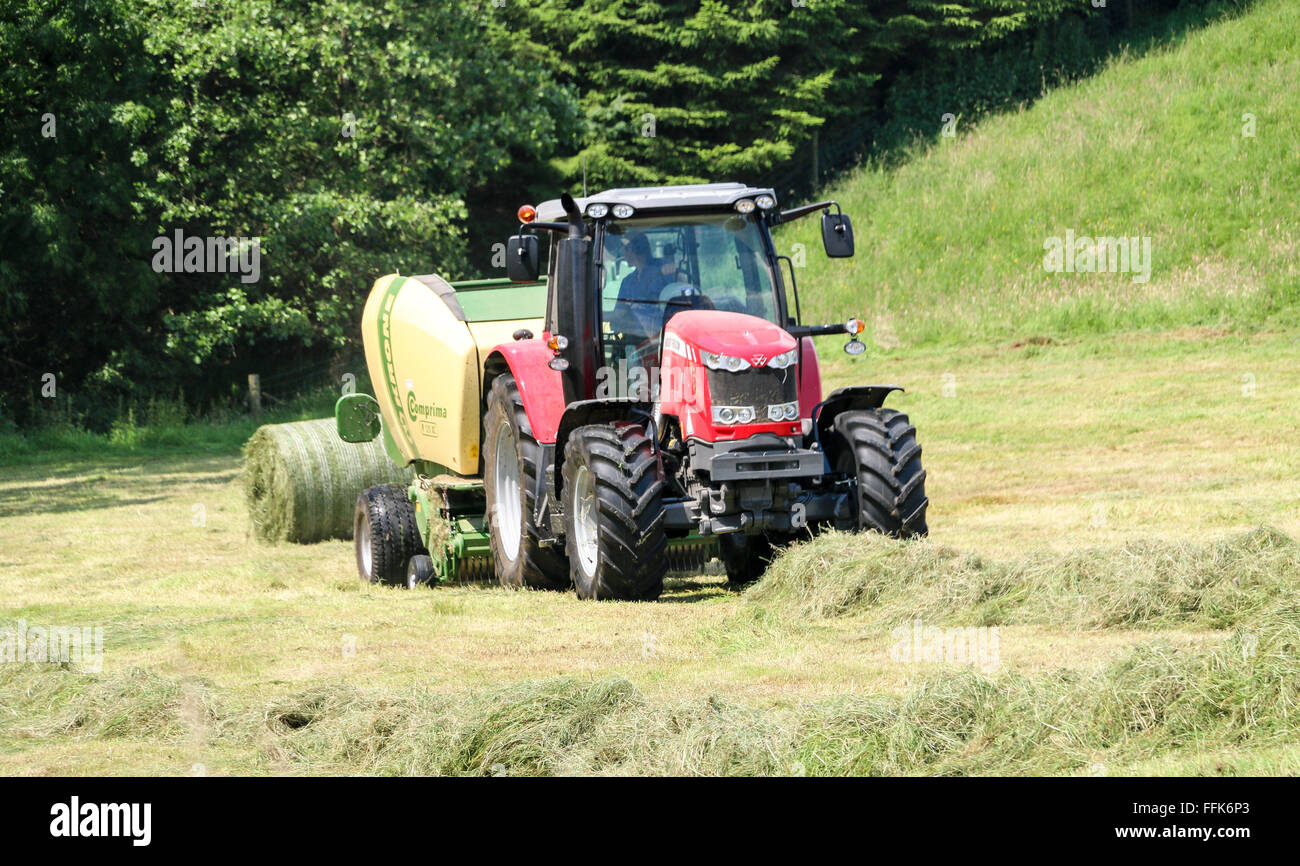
(976, 817)
(800, 331)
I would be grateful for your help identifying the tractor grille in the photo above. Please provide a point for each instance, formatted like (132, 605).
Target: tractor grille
(759, 387)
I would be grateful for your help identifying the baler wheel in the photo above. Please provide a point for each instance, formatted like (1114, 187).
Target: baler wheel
(744, 556)
(385, 534)
(614, 513)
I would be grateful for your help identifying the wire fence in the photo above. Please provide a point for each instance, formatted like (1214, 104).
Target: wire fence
(340, 372)
(828, 155)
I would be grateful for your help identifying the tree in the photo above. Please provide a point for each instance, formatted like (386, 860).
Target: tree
(342, 134)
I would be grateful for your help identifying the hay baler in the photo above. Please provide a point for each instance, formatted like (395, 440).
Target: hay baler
(653, 401)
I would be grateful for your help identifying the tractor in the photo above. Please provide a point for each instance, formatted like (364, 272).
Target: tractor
(652, 402)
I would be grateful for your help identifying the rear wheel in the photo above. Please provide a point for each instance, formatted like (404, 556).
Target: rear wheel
(614, 515)
(384, 534)
(511, 462)
(879, 447)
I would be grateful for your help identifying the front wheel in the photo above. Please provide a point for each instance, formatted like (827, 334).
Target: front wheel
(879, 448)
(614, 513)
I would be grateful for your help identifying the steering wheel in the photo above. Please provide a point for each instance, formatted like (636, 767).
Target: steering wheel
(672, 291)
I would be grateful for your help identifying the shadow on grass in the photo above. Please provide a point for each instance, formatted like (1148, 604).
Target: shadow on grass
(88, 486)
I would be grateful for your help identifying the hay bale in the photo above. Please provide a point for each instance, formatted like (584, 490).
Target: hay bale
(301, 480)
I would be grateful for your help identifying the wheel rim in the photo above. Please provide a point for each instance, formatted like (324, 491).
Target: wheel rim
(363, 546)
(505, 489)
(584, 519)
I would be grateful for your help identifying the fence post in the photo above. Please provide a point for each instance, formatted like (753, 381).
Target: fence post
(816, 154)
(255, 394)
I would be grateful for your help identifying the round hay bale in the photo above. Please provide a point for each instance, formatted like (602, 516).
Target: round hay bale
(302, 481)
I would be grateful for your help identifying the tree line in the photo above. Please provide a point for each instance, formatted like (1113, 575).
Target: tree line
(330, 141)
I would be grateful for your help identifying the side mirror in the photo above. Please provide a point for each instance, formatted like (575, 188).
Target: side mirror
(522, 258)
(837, 235)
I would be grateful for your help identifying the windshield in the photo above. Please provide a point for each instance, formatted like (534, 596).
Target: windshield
(654, 268)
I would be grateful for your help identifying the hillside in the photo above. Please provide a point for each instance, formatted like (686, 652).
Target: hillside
(1192, 145)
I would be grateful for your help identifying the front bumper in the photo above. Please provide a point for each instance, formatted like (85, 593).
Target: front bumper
(762, 484)
(757, 458)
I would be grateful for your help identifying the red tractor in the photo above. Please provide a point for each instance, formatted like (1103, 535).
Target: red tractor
(673, 393)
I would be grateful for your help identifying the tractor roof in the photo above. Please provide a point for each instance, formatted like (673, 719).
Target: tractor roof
(700, 195)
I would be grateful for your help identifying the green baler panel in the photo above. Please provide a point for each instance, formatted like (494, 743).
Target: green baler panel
(501, 300)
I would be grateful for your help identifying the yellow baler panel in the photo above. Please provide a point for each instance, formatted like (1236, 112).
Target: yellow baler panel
(425, 369)
(426, 366)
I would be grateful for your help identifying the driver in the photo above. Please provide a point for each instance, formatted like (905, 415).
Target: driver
(649, 275)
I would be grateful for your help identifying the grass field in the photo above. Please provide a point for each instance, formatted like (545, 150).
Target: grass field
(1041, 452)
(1112, 472)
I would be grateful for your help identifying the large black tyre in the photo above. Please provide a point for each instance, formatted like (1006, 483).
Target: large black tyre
(614, 513)
(879, 446)
(512, 457)
(384, 534)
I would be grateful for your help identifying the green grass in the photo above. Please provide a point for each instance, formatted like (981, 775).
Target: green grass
(1227, 583)
(238, 657)
(1154, 700)
(950, 243)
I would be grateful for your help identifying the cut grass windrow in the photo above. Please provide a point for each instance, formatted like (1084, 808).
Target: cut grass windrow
(1155, 701)
(1218, 584)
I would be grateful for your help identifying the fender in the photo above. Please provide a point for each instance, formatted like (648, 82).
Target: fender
(582, 412)
(540, 388)
(847, 399)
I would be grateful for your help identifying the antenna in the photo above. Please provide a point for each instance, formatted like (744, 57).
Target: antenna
(584, 175)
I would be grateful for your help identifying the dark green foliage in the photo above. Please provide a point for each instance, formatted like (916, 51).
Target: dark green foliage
(344, 135)
(75, 282)
(684, 91)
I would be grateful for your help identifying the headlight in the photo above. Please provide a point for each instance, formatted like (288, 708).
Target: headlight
(785, 359)
(766, 202)
(744, 206)
(734, 415)
(783, 411)
(623, 211)
(723, 362)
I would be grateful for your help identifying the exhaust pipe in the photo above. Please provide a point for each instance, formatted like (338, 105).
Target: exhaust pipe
(574, 309)
(575, 216)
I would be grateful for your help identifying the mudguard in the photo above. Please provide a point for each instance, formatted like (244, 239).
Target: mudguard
(810, 378)
(850, 398)
(540, 388)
